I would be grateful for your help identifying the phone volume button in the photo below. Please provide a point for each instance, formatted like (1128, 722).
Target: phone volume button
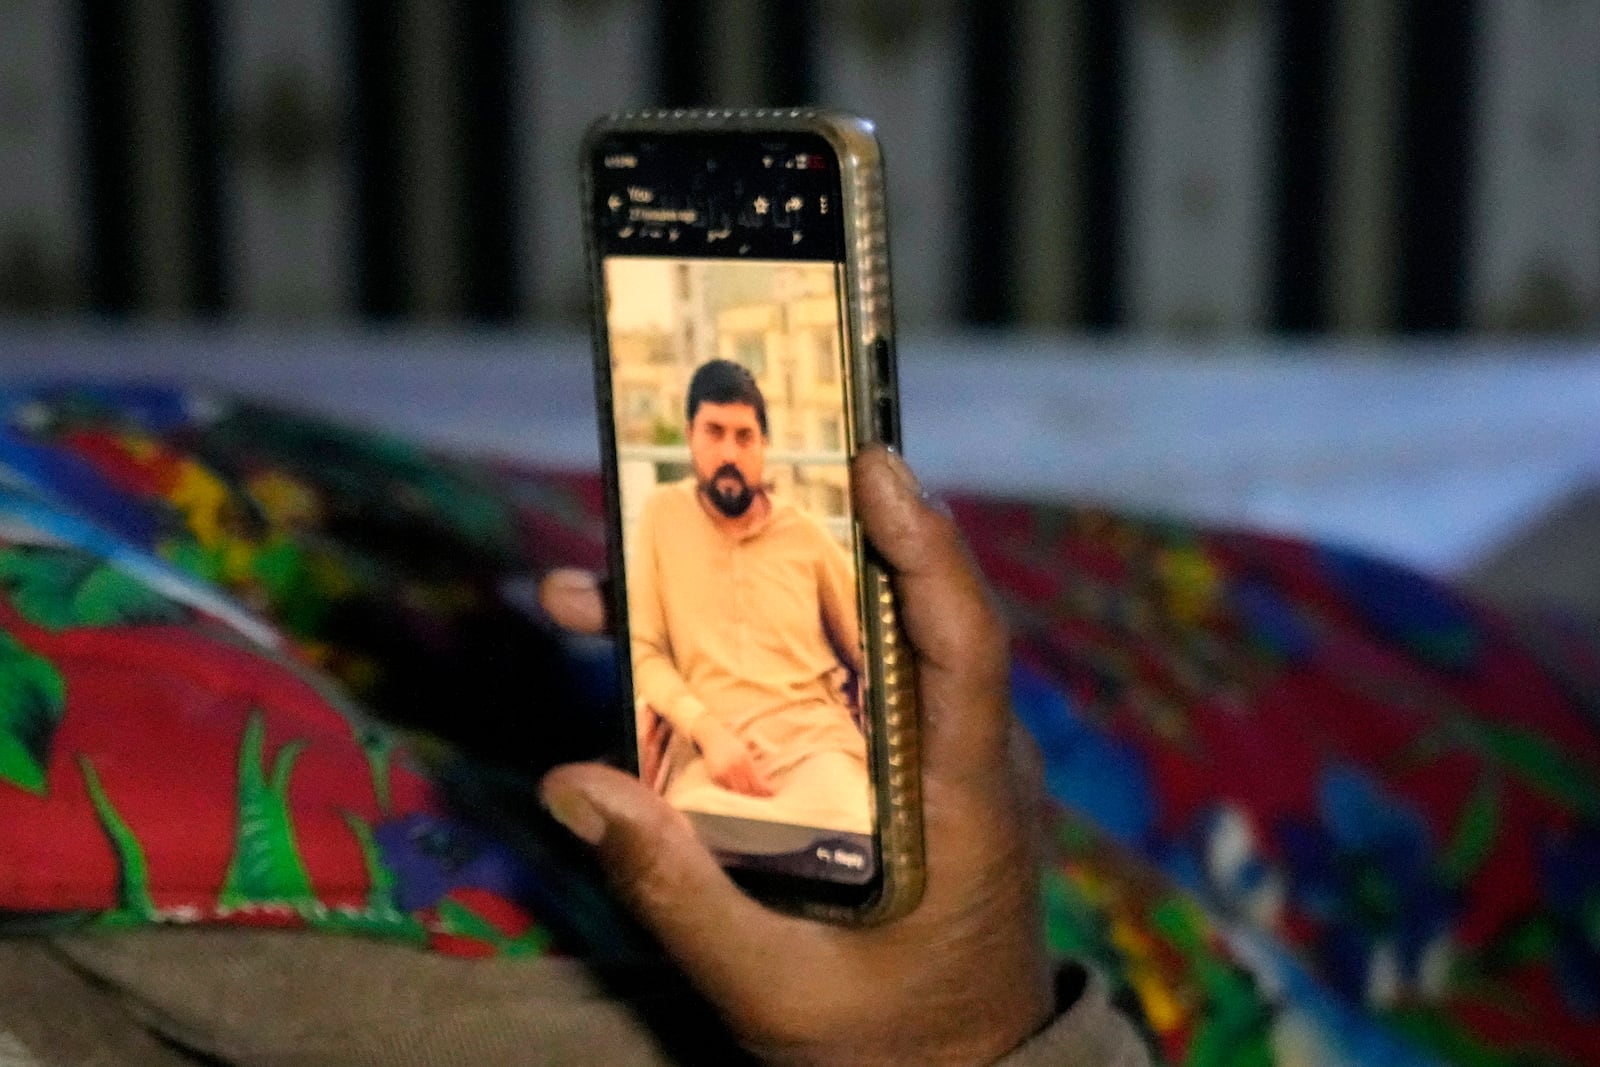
(886, 421)
(881, 362)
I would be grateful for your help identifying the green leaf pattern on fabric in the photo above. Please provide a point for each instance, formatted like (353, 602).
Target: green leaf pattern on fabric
(381, 897)
(1538, 762)
(382, 915)
(109, 597)
(377, 744)
(32, 703)
(266, 867)
(462, 921)
(134, 903)
(1476, 831)
(1235, 1027)
(59, 588)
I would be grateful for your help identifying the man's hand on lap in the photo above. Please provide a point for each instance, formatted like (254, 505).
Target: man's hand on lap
(728, 760)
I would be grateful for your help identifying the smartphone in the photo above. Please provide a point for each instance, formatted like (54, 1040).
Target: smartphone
(744, 353)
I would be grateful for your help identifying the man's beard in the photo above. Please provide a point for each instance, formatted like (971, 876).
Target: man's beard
(731, 502)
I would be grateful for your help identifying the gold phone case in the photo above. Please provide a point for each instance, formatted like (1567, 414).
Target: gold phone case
(872, 416)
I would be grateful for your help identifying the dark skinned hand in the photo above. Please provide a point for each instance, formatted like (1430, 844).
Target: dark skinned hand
(963, 978)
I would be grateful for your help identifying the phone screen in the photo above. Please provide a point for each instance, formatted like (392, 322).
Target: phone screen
(722, 263)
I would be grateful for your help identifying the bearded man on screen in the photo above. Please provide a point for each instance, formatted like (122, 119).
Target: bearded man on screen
(744, 631)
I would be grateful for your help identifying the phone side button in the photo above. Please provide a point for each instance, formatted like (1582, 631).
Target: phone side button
(886, 421)
(880, 361)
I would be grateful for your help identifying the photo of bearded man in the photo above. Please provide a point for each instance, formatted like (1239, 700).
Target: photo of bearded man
(743, 626)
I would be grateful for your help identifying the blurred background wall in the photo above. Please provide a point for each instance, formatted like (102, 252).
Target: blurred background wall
(1201, 169)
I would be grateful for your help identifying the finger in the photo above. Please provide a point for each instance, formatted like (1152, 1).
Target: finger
(742, 778)
(952, 625)
(753, 783)
(760, 785)
(662, 872)
(571, 597)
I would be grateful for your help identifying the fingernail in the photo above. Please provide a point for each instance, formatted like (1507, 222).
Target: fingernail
(573, 810)
(902, 471)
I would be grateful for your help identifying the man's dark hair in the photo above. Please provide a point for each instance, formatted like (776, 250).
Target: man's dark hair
(722, 381)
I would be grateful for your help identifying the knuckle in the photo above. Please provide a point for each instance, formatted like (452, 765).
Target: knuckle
(940, 533)
(642, 863)
(655, 883)
(992, 651)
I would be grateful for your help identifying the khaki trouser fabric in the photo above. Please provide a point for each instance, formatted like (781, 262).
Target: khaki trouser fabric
(187, 997)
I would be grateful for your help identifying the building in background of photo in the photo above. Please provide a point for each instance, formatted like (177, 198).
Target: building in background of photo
(780, 321)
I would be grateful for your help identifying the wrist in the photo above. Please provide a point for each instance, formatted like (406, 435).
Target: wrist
(706, 731)
(685, 713)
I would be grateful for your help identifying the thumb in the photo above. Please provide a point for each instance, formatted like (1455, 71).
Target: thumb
(659, 868)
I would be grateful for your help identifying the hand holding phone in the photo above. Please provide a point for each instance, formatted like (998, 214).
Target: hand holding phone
(963, 977)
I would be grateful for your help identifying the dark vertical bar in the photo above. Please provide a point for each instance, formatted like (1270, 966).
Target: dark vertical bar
(202, 150)
(377, 149)
(990, 161)
(486, 33)
(791, 49)
(683, 72)
(107, 66)
(1304, 115)
(1102, 63)
(1437, 57)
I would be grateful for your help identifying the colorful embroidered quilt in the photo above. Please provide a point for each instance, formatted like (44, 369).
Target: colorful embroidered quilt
(1314, 808)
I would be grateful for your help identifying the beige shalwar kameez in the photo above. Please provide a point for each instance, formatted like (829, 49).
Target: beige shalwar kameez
(759, 630)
